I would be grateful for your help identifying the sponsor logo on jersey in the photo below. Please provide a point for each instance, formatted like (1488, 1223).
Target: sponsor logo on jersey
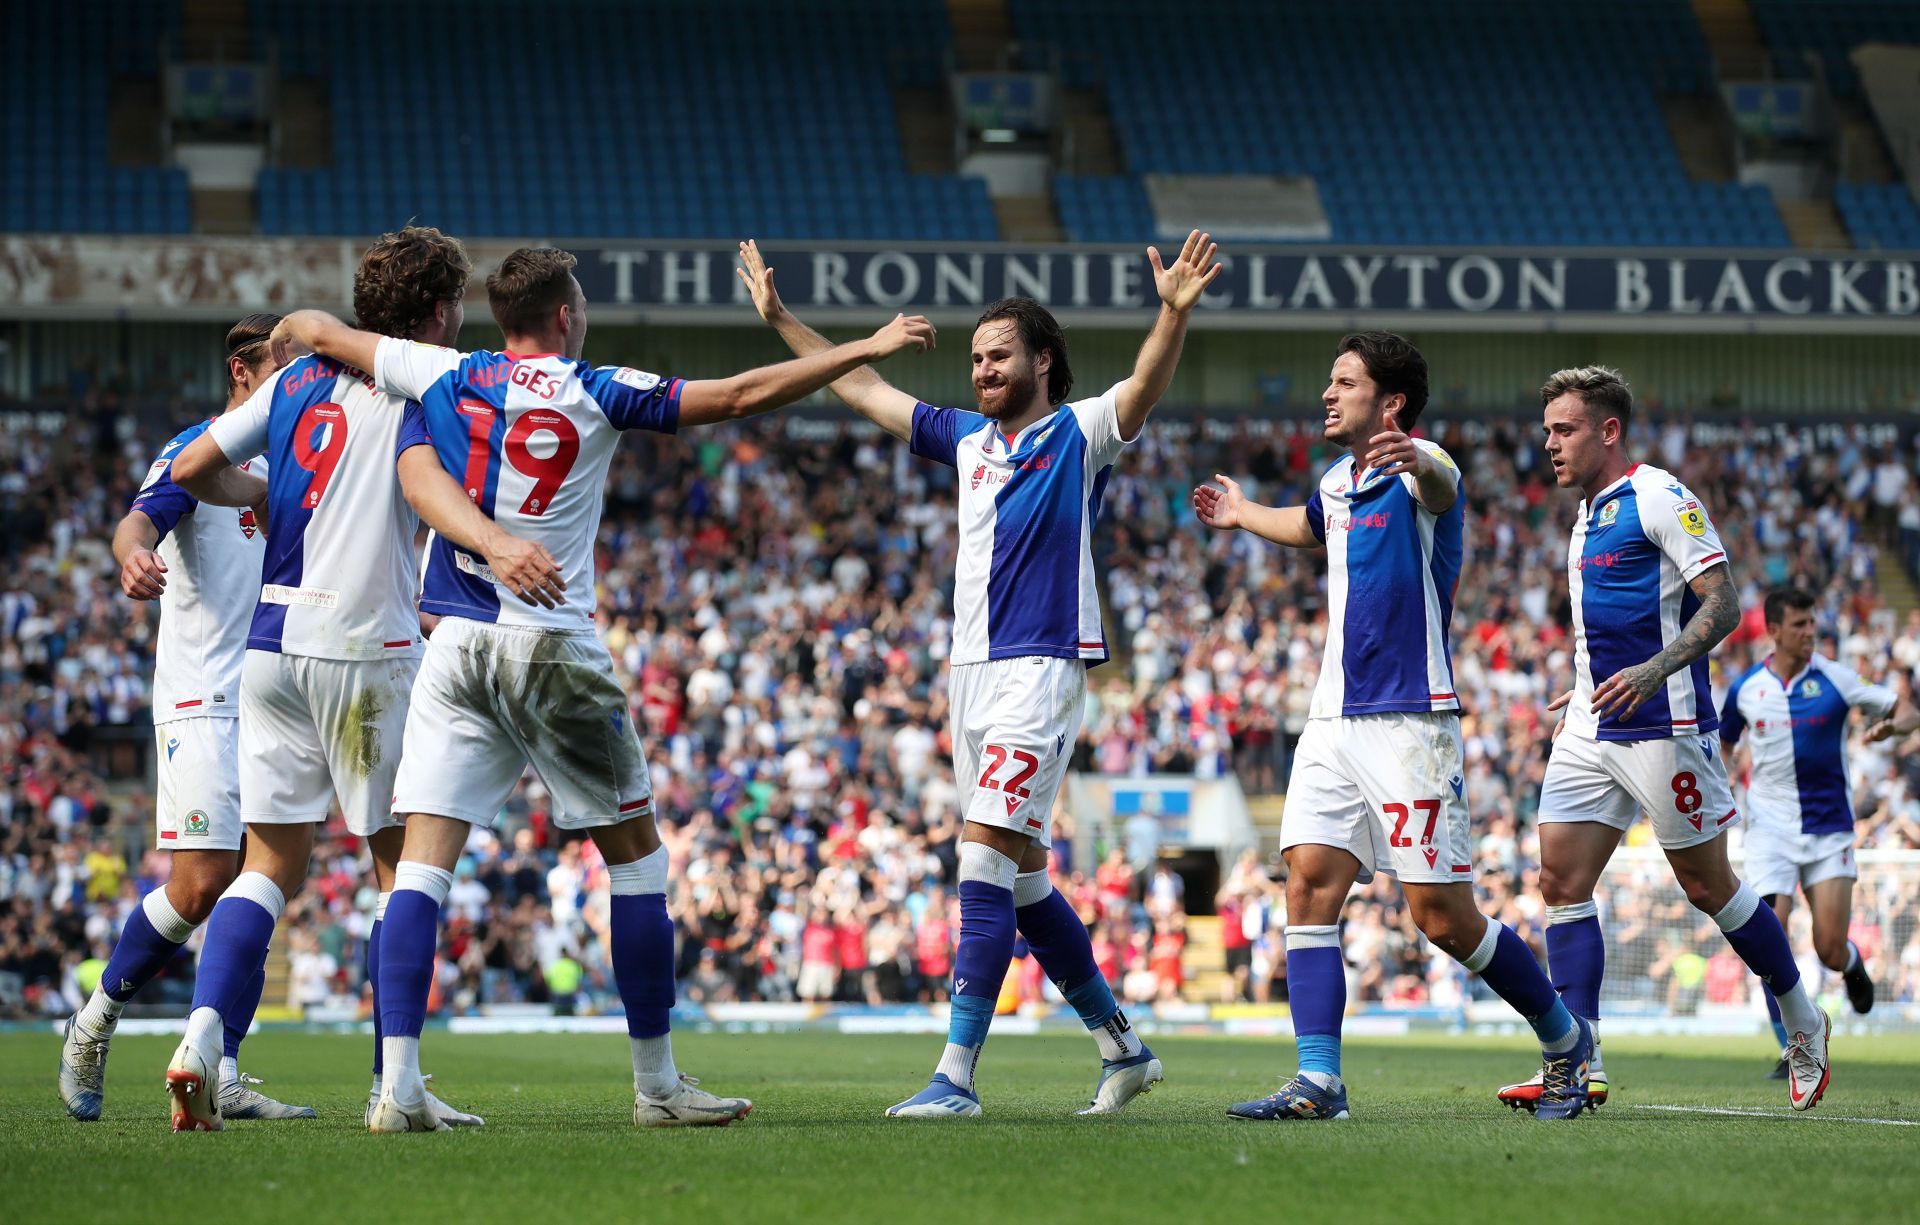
(1357, 523)
(1692, 518)
(639, 380)
(1608, 514)
(979, 474)
(249, 524)
(1602, 560)
(197, 824)
(1458, 784)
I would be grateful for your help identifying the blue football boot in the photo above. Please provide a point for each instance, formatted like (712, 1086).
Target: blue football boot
(1563, 1078)
(941, 1099)
(1299, 1098)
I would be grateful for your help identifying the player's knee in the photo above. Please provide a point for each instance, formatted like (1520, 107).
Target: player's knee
(194, 900)
(1558, 888)
(1831, 948)
(1705, 892)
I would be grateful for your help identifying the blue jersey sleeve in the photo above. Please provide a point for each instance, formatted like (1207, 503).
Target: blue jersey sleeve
(634, 399)
(1733, 724)
(937, 432)
(159, 499)
(413, 430)
(1317, 516)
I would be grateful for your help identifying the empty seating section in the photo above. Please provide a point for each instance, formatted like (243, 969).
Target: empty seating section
(1472, 122)
(585, 118)
(1833, 28)
(1879, 215)
(57, 63)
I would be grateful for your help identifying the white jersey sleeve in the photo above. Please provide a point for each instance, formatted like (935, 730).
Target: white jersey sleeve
(241, 433)
(1447, 466)
(1099, 420)
(1877, 701)
(407, 367)
(1674, 520)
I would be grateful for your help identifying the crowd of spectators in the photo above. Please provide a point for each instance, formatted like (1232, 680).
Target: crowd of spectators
(777, 599)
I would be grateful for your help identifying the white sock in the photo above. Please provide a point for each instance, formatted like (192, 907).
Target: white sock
(956, 1064)
(229, 1070)
(1326, 1080)
(101, 1014)
(205, 1029)
(653, 1072)
(1798, 1011)
(375, 1091)
(1116, 1038)
(380, 905)
(400, 1070)
(1853, 958)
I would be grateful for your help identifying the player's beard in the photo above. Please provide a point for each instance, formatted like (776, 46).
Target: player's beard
(1016, 392)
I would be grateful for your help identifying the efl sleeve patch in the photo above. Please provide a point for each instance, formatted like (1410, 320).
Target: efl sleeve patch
(639, 380)
(1692, 519)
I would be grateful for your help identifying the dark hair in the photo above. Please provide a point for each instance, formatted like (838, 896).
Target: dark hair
(1038, 330)
(1780, 599)
(247, 340)
(1395, 367)
(1603, 392)
(528, 284)
(404, 276)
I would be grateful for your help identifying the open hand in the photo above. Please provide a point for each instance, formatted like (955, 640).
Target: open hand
(144, 576)
(528, 571)
(1622, 693)
(758, 278)
(1182, 282)
(1392, 451)
(904, 332)
(1219, 507)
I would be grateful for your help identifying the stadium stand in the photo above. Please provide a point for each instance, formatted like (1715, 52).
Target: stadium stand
(781, 633)
(54, 125)
(1488, 129)
(1879, 214)
(1830, 30)
(677, 120)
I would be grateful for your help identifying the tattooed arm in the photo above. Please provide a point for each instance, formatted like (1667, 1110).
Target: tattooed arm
(1718, 615)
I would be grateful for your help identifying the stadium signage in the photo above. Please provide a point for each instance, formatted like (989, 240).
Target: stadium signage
(1307, 281)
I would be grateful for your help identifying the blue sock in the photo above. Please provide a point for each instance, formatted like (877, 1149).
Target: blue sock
(1577, 957)
(238, 933)
(1059, 942)
(1760, 941)
(642, 953)
(373, 980)
(408, 938)
(980, 961)
(237, 1022)
(1505, 963)
(1317, 996)
(1773, 1012)
(140, 953)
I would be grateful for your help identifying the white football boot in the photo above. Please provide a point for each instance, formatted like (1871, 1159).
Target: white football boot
(447, 1114)
(240, 1100)
(1122, 1080)
(1807, 1069)
(688, 1106)
(83, 1072)
(192, 1078)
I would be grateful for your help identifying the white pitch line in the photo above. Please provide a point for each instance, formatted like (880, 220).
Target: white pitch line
(1772, 1114)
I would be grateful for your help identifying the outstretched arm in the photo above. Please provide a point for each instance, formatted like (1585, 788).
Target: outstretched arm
(1180, 284)
(862, 388)
(705, 401)
(1718, 615)
(1227, 508)
(311, 331)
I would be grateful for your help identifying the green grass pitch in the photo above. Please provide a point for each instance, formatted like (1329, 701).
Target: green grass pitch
(1427, 1141)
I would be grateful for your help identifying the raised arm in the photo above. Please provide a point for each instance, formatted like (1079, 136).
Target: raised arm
(522, 567)
(861, 389)
(1180, 284)
(1718, 615)
(705, 401)
(313, 331)
(1227, 508)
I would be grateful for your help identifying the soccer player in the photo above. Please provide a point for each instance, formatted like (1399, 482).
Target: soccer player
(203, 565)
(532, 429)
(1026, 629)
(1376, 784)
(1652, 594)
(1795, 705)
(335, 637)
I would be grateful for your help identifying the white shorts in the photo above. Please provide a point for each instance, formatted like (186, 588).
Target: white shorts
(196, 804)
(1777, 860)
(1678, 781)
(316, 730)
(493, 699)
(1386, 788)
(1014, 726)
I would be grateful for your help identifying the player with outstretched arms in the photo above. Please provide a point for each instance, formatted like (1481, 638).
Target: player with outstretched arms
(1026, 628)
(1376, 783)
(203, 565)
(1652, 593)
(532, 431)
(1792, 708)
(335, 637)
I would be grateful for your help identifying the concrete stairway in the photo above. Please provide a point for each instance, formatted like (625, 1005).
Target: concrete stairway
(1813, 225)
(1203, 962)
(1734, 39)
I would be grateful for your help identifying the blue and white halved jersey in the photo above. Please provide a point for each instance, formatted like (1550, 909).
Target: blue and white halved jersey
(1797, 741)
(1392, 566)
(341, 575)
(1023, 580)
(530, 438)
(213, 556)
(1633, 550)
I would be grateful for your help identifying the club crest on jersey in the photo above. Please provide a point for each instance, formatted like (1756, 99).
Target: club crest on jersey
(249, 524)
(1692, 518)
(197, 824)
(1810, 688)
(1609, 513)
